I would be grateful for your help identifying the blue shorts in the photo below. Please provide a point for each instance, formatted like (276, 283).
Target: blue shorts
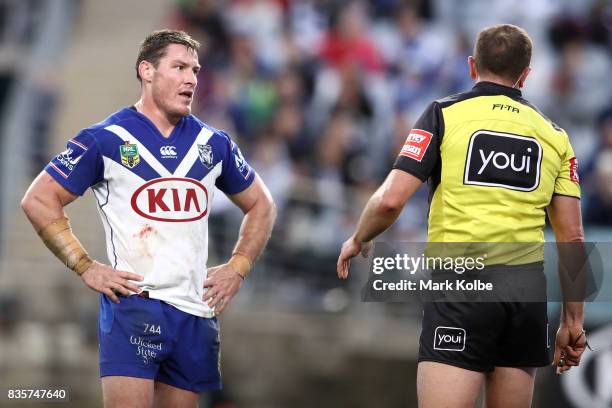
(148, 338)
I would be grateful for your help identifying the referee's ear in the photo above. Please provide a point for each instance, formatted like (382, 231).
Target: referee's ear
(523, 77)
(472, 66)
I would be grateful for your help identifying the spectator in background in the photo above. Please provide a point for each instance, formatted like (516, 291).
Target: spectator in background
(251, 89)
(453, 77)
(205, 21)
(419, 54)
(599, 17)
(271, 156)
(288, 125)
(579, 85)
(581, 70)
(599, 175)
(347, 41)
(262, 22)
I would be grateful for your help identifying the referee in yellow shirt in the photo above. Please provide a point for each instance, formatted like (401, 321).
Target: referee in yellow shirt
(495, 165)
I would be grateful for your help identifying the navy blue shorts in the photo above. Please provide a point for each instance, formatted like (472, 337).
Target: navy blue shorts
(148, 338)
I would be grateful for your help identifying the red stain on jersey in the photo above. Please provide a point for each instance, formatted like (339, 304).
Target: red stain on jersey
(145, 232)
(416, 144)
(574, 170)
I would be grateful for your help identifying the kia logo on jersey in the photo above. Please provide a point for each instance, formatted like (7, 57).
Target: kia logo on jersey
(171, 199)
(504, 160)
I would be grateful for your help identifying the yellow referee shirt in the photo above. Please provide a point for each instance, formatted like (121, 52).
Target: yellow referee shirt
(493, 162)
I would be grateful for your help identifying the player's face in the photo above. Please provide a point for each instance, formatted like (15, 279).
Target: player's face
(174, 80)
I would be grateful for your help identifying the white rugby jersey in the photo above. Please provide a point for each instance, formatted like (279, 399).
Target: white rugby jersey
(154, 196)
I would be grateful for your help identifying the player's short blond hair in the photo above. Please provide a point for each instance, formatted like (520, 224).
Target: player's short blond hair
(153, 48)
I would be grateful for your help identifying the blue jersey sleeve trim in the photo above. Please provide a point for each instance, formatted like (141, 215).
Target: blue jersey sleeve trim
(236, 174)
(242, 187)
(61, 179)
(79, 166)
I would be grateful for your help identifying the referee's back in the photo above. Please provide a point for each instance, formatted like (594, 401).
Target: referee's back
(493, 162)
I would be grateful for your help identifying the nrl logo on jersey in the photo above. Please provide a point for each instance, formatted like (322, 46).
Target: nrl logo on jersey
(206, 155)
(129, 155)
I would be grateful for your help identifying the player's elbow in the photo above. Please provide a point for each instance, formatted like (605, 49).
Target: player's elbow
(28, 203)
(34, 202)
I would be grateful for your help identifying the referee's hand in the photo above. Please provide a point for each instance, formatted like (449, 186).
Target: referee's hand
(350, 249)
(104, 279)
(570, 343)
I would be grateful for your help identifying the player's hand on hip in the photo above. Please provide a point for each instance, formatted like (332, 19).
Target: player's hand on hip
(570, 344)
(109, 281)
(350, 249)
(221, 285)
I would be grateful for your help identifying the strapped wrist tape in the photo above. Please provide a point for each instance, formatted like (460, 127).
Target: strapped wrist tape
(241, 264)
(58, 237)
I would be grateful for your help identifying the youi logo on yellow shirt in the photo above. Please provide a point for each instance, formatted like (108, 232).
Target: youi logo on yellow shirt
(504, 160)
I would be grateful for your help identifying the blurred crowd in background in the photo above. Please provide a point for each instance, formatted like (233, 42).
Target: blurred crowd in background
(320, 95)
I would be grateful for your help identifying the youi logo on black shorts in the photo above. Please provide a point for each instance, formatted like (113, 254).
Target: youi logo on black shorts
(505, 160)
(449, 338)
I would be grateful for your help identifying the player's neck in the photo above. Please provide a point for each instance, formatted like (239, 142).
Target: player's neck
(163, 122)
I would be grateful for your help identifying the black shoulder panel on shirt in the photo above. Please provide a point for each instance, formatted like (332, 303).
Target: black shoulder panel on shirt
(420, 155)
(453, 99)
(527, 103)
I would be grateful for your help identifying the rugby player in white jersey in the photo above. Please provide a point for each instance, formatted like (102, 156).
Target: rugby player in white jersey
(153, 168)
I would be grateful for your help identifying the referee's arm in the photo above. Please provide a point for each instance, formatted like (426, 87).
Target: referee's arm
(413, 166)
(380, 213)
(564, 216)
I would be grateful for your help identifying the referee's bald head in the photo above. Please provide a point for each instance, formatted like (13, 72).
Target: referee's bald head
(503, 50)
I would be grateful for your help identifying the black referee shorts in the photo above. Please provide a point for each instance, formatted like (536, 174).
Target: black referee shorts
(480, 336)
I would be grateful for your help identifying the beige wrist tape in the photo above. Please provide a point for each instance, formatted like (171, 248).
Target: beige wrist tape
(58, 237)
(241, 264)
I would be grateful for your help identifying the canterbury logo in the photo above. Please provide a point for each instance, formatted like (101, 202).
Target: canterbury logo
(168, 151)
